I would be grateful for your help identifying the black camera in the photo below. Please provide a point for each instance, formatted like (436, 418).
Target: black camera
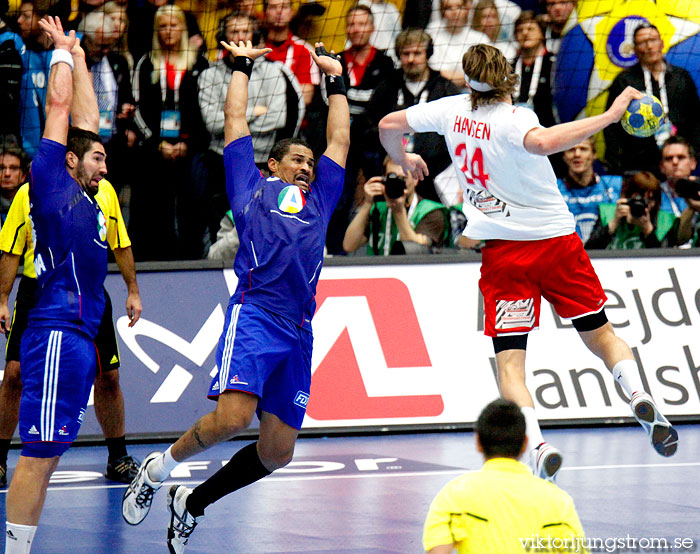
(685, 188)
(394, 186)
(638, 206)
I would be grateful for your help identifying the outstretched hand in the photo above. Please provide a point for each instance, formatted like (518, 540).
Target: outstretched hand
(415, 165)
(619, 106)
(245, 49)
(77, 50)
(328, 63)
(53, 28)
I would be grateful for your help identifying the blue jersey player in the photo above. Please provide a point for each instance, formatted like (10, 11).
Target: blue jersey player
(57, 353)
(264, 354)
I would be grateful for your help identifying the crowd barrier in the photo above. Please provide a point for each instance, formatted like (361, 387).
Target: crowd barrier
(399, 345)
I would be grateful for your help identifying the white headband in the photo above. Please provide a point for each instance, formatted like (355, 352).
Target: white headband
(478, 85)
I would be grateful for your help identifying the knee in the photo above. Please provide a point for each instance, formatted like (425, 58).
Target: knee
(275, 456)
(12, 380)
(230, 425)
(107, 383)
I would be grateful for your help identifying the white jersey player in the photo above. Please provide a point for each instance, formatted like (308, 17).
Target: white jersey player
(531, 251)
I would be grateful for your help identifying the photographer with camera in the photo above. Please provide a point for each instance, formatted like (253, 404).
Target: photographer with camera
(393, 219)
(680, 193)
(636, 220)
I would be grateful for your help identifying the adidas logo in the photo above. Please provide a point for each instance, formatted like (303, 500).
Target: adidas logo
(32, 430)
(216, 386)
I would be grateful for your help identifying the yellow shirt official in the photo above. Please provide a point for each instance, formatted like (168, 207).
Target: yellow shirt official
(16, 232)
(503, 509)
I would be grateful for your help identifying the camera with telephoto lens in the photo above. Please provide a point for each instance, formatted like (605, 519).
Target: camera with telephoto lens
(685, 188)
(394, 186)
(638, 206)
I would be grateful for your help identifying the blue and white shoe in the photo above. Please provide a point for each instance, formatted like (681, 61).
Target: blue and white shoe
(664, 438)
(139, 495)
(182, 523)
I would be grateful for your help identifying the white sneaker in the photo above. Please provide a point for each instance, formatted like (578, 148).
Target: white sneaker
(139, 495)
(182, 523)
(664, 437)
(545, 461)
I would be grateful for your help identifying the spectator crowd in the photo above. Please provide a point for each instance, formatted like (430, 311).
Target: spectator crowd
(160, 78)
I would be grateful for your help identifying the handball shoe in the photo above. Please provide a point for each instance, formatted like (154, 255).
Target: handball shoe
(545, 461)
(664, 437)
(182, 523)
(122, 470)
(139, 495)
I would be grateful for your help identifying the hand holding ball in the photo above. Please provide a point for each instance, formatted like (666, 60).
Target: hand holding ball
(643, 117)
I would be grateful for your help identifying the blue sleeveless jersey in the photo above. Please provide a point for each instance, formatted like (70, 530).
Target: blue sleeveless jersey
(282, 233)
(70, 249)
(583, 202)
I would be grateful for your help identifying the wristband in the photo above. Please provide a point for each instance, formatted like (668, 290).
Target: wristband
(243, 64)
(335, 84)
(61, 56)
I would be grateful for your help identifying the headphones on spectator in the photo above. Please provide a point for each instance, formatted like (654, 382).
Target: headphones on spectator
(429, 49)
(221, 32)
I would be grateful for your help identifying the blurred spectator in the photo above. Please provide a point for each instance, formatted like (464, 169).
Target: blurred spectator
(266, 113)
(364, 67)
(677, 162)
(492, 509)
(227, 241)
(557, 14)
(11, 50)
(78, 12)
(583, 189)
(535, 66)
(635, 220)
(485, 19)
(288, 48)
(387, 23)
(415, 82)
(14, 166)
(458, 222)
(452, 36)
(35, 74)
(390, 204)
(508, 12)
(171, 129)
(672, 85)
(111, 80)
(117, 12)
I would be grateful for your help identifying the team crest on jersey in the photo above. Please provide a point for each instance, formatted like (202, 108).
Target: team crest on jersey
(291, 199)
(101, 225)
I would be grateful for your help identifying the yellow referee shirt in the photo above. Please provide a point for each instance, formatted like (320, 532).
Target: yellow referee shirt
(503, 509)
(15, 233)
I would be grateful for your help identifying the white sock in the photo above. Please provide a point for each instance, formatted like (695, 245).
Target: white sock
(626, 373)
(159, 468)
(532, 427)
(18, 538)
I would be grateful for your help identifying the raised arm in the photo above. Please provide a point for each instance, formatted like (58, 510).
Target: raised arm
(59, 91)
(84, 111)
(392, 128)
(546, 141)
(235, 124)
(338, 124)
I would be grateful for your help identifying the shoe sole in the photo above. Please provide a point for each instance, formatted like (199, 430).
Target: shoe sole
(664, 438)
(551, 466)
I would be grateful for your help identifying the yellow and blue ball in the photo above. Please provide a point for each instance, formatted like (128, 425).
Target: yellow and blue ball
(643, 117)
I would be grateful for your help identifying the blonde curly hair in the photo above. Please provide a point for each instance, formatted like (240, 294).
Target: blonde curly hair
(486, 64)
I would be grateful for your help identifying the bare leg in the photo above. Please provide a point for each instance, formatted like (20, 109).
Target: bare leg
(606, 345)
(10, 394)
(109, 404)
(27, 492)
(276, 442)
(234, 412)
(511, 377)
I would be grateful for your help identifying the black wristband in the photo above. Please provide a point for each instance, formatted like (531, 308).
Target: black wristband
(335, 84)
(243, 64)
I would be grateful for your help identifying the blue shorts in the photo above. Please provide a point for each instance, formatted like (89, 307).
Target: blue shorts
(58, 369)
(267, 355)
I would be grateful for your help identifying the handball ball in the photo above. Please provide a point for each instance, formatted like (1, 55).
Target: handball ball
(643, 117)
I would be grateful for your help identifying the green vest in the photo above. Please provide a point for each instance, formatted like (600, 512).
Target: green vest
(423, 208)
(629, 237)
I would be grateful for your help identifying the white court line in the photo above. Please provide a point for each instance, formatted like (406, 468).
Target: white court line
(368, 476)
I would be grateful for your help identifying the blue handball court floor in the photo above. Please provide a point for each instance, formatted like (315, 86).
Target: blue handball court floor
(370, 494)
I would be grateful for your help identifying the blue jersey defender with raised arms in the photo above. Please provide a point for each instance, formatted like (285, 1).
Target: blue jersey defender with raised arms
(264, 353)
(69, 231)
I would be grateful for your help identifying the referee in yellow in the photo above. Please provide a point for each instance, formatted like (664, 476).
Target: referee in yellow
(502, 508)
